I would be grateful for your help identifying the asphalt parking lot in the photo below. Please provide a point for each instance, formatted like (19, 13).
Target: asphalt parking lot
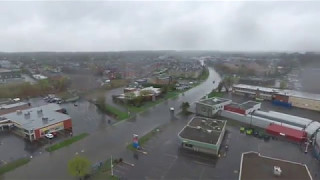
(166, 160)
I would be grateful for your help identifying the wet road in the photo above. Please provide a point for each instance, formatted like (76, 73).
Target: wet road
(108, 141)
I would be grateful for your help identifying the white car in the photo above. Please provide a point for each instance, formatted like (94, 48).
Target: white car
(172, 109)
(49, 136)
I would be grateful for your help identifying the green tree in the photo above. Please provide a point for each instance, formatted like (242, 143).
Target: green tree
(283, 85)
(138, 101)
(79, 166)
(220, 86)
(184, 107)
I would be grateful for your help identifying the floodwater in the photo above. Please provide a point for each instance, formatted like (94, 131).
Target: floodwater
(107, 140)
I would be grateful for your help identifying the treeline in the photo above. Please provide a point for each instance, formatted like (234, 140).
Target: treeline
(42, 87)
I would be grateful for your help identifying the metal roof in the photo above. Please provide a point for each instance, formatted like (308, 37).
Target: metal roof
(251, 87)
(32, 119)
(284, 118)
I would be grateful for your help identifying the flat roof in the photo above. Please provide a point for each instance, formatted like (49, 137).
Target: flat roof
(303, 95)
(34, 119)
(202, 129)
(286, 130)
(214, 101)
(280, 91)
(8, 106)
(255, 166)
(249, 104)
(251, 87)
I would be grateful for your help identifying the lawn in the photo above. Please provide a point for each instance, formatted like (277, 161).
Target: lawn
(144, 139)
(13, 165)
(113, 111)
(215, 94)
(66, 142)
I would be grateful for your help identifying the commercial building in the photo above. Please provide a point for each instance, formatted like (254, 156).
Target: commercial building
(9, 108)
(203, 135)
(254, 166)
(8, 75)
(209, 107)
(286, 98)
(289, 133)
(254, 91)
(244, 108)
(34, 123)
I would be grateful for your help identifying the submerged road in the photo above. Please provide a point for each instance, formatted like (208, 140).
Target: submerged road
(113, 140)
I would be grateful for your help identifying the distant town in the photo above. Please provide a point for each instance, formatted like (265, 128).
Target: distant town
(160, 115)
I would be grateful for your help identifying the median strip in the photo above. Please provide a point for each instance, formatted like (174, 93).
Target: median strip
(144, 139)
(66, 142)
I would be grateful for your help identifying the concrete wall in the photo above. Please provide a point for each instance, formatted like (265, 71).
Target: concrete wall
(310, 104)
(204, 110)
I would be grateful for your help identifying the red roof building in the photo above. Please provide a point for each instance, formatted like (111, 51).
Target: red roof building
(289, 133)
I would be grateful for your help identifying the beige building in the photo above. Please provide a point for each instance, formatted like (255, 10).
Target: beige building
(304, 101)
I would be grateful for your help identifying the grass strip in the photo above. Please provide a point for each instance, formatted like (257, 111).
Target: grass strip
(66, 142)
(120, 115)
(13, 165)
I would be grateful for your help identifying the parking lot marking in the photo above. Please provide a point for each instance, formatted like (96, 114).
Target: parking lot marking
(171, 155)
(201, 163)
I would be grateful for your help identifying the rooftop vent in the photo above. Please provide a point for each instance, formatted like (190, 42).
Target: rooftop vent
(39, 111)
(27, 114)
(277, 170)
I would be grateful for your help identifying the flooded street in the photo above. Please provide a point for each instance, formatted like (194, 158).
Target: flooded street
(103, 140)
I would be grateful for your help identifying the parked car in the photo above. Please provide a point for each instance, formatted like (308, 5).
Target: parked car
(49, 136)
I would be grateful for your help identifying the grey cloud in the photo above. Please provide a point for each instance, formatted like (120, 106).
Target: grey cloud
(113, 26)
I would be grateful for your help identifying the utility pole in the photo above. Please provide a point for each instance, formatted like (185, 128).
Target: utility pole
(111, 166)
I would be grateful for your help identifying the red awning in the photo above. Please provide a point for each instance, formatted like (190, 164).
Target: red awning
(280, 130)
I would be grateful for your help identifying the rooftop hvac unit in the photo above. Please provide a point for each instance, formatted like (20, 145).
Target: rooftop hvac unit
(198, 127)
(45, 119)
(203, 121)
(277, 170)
(209, 131)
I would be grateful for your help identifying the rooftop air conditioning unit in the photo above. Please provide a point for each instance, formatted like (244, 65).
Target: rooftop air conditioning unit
(277, 170)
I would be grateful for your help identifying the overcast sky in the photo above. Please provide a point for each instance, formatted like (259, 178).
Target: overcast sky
(117, 26)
